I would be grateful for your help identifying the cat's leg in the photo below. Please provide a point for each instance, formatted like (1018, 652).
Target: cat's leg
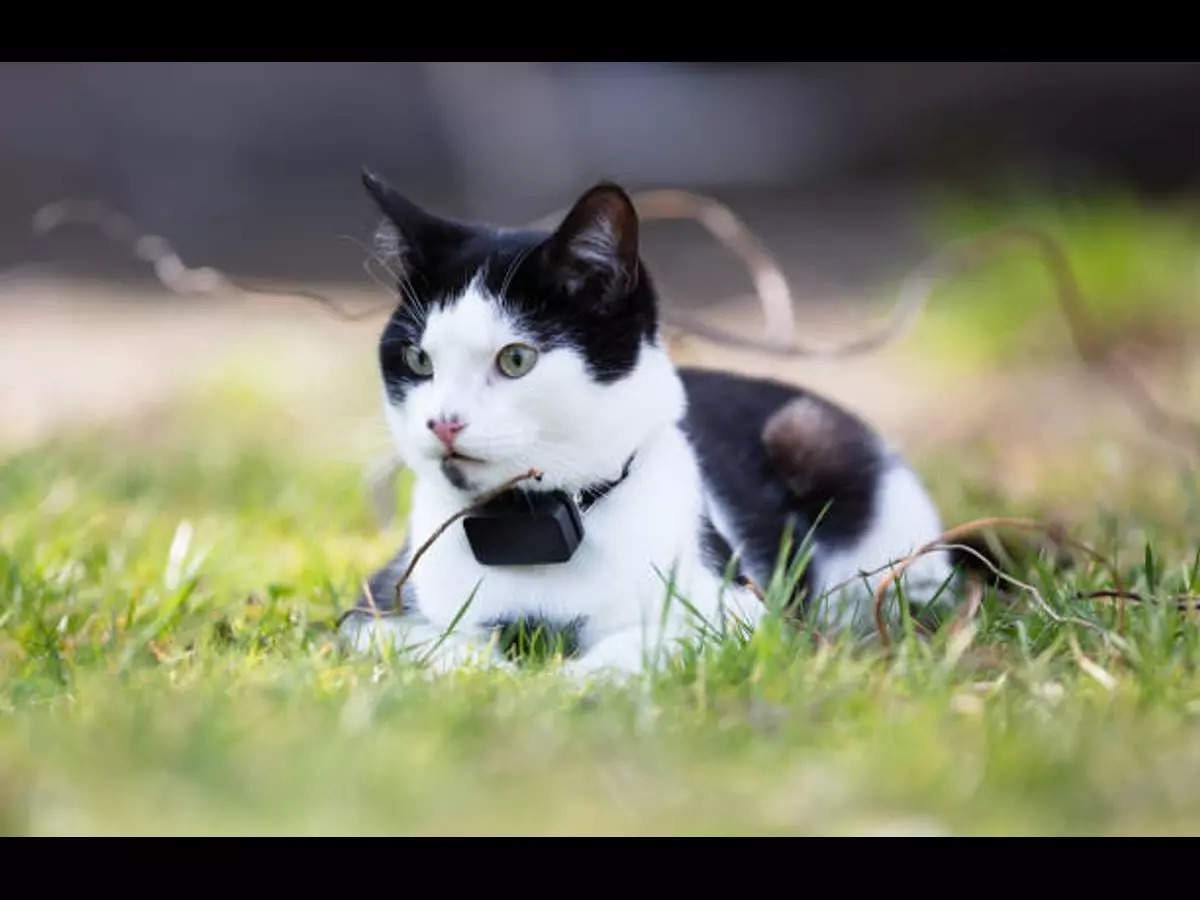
(381, 619)
(414, 636)
(713, 606)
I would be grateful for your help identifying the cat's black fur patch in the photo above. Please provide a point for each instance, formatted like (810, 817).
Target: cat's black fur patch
(608, 334)
(536, 638)
(763, 488)
(716, 550)
(382, 585)
(520, 637)
(455, 475)
(379, 594)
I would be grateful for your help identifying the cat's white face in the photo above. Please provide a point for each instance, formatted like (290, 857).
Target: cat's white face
(514, 350)
(535, 407)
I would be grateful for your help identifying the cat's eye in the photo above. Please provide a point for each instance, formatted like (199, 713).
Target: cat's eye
(418, 360)
(516, 360)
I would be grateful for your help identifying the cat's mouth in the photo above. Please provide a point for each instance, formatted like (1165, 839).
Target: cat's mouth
(455, 456)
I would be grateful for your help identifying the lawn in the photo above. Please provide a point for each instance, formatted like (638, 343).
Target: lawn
(168, 664)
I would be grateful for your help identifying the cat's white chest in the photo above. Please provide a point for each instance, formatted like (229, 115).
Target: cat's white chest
(599, 583)
(639, 538)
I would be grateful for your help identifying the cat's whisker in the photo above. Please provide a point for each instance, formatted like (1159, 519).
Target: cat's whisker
(388, 253)
(391, 289)
(375, 255)
(411, 293)
(512, 270)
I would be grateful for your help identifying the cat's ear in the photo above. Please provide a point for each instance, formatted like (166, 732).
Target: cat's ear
(596, 246)
(410, 235)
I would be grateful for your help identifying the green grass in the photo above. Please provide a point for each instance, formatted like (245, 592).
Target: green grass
(168, 664)
(1136, 263)
(142, 691)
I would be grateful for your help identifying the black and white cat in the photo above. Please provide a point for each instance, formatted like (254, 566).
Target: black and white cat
(514, 349)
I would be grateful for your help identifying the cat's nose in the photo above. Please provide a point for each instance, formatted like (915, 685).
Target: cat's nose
(446, 430)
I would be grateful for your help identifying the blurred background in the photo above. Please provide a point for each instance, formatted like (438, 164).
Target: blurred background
(848, 172)
(253, 166)
(185, 500)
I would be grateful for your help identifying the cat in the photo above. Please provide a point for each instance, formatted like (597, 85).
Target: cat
(514, 349)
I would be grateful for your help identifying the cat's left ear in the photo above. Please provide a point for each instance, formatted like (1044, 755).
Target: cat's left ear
(411, 236)
(596, 246)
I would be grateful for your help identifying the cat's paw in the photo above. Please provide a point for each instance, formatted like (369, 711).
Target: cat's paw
(618, 657)
(419, 642)
(454, 656)
(581, 671)
(364, 633)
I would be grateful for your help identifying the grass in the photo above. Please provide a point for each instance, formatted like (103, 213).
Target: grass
(1136, 264)
(168, 589)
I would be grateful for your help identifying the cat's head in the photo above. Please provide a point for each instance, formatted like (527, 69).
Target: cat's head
(513, 349)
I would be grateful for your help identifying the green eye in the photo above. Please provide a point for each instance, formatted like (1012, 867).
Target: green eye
(516, 360)
(418, 360)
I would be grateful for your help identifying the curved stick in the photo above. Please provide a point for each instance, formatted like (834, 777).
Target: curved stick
(969, 528)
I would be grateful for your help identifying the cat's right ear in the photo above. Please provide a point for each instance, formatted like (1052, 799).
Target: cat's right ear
(410, 236)
(596, 245)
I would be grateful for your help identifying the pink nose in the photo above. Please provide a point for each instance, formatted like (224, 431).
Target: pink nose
(446, 430)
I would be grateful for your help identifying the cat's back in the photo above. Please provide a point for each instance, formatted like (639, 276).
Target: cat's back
(772, 453)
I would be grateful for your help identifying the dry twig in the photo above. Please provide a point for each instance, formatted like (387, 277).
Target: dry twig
(1182, 601)
(168, 267)
(751, 585)
(482, 500)
(968, 528)
(971, 608)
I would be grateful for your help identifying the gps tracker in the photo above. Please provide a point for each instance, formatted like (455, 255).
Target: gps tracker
(521, 528)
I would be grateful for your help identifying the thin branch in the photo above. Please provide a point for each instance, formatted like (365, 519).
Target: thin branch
(1045, 607)
(370, 595)
(482, 500)
(1183, 601)
(168, 267)
(973, 527)
(751, 585)
(969, 610)
(1090, 667)
(330, 305)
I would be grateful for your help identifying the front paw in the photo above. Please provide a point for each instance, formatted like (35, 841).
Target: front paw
(419, 642)
(364, 633)
(581, 671)
(455, 655)
(611, 660)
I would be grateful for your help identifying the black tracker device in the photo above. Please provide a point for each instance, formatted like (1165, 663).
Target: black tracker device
(532, 528)
(525, 528)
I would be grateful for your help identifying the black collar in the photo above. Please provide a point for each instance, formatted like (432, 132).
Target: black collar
(525, 528)
(589, 496)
